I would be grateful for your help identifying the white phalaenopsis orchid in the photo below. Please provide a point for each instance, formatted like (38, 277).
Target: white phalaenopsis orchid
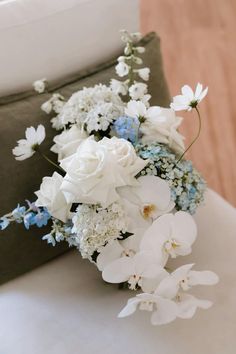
(143, 270)
(183, 278)
(189, 99)
(174, 234)
(188, 304)
(27, 147)
(137, 109)
(119, 248)
(163, 310)
(147, 201)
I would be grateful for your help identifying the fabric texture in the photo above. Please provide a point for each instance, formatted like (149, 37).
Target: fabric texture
(22, 250)
(65, 307)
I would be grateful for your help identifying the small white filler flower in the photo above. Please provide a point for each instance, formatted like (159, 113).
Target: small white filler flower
(27, 147)
(40, 85)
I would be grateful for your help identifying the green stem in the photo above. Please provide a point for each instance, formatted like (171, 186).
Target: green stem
(195, 139)
(50, 161)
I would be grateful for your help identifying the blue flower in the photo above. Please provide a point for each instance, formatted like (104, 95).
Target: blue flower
(127, 128)
(50, 239)
(18, 213)
(29, 219)
(41, 218)
(4, 222)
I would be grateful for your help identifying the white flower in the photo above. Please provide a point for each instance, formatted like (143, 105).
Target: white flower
(184, 278)
(189, 99)
(56, 123)
(85, 106)
(147, 201)
(27, 147)
(188, 304)
(118, 87)
(122, 69)
(56, 103)
(173, 234)
(137, 90)
(40, 85)
(144, 73)
(119, 248)
(68, 141)
(51, 197)
(92, 175)
(123, 151)
(163, 310)
(139, 271)
(139, 110)
(163, 128)
(94, 226)
(47, 107)
(140, 50)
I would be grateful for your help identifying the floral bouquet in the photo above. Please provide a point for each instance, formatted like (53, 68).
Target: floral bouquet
(122, 192)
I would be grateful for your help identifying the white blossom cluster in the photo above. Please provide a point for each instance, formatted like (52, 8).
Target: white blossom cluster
(92, 108)
(94, 226)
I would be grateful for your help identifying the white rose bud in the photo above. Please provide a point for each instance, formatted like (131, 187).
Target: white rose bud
(51, 197)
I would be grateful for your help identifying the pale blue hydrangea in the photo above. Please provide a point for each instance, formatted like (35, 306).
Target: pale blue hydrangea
(187, 185)
(127, 128)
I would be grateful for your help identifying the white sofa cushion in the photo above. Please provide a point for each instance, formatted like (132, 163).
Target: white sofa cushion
(64, 307)
(42, 38)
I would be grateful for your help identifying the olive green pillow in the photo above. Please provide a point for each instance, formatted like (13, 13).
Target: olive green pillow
(22, 250)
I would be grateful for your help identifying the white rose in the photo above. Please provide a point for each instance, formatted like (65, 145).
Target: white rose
(123, 151)
(162, 128)
(92, 175)
(40, 85)
(68, 141)
(51, 197)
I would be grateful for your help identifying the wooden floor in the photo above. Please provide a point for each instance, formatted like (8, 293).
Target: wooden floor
(199, 44)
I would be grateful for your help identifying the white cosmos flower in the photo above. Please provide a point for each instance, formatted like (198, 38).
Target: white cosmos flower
(138, 109)
(119, 248)
(27, 147)
(119, 87)
(189, 99)
(147, 201)
(51, 197)
(163, 128)
(137, 90)
(183, 279)
(144, 73)
(40, 85)
(174, 234)
(122, 69)
(141, 270)
(68, 142)
(163, 310)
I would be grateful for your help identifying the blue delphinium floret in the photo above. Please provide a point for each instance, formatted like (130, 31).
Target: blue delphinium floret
(4, 222)
(187, 185)
(127, 128)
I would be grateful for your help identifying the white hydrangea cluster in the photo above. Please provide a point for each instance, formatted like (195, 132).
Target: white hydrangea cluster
(93, 108)
(94, 226)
